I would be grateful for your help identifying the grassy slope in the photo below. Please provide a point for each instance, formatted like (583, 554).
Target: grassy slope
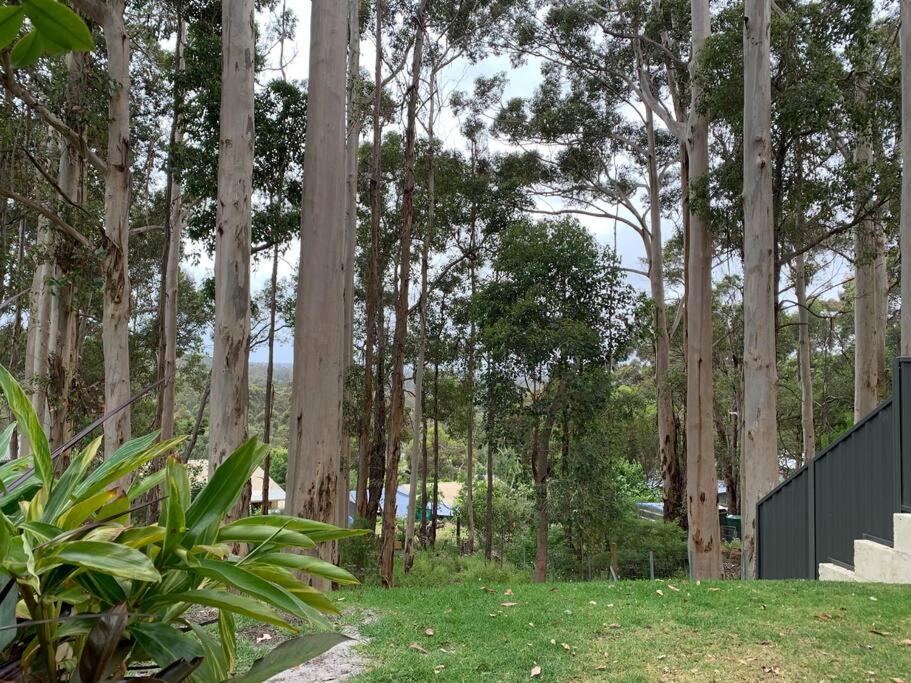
(730, 631)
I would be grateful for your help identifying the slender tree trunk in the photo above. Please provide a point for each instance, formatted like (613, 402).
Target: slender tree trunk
(417, 420)
(115, 332)
(905, 220)
(423, 530)
(808, 430)
(667, 451)
(488, 531)
(378, 438)
(759, 460)
(702, 487)
(197, 424)
(541, 473)
(230, 357)
(270, 387)
(353, 140)
(393, 448)
(373, 276)
(319, 332)
(469, 456)
(167, 346)
(436, 454)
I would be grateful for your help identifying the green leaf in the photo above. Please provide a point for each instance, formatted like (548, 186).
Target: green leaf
(21, 407)
(173, 515)
(260, 534)
(10, 22)
(79, 512)
(125, 459)
(214, 666)
(307, 594)
(238, 604)
(102, 556)
(60, 24)
(67, 481)
(289, 654)
(26, 52)
(312, 565)
(7, 436)
(8, 611)
(227, 634)
(224, 487)
(240, 579)
(138, 488)
(317, 531)
(164, 643)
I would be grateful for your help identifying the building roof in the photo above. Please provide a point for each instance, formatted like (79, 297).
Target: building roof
(199, 470)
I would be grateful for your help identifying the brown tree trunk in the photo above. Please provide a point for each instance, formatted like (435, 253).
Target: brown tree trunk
(759, 460)
(393, 449)
(373, 275)
(488, 531)
(230, 357)
(541, 471)
(378, 439)
(436, 454)
(702, 487)
(319, 332)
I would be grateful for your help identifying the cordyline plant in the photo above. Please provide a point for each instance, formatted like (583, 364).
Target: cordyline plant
(87, 595)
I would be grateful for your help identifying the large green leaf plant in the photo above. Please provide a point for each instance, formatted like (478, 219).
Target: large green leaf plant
(52, 28)
(87, 593)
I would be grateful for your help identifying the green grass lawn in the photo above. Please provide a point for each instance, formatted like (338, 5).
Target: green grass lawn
(628, 631)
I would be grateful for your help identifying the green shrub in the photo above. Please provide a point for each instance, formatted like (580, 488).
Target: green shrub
(86, 591)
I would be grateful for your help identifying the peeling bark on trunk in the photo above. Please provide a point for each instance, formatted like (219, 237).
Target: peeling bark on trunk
(230, 366)
(759, 459)
(393, 449)
(115, 332)
(808, 431)
(374, 296)
(319, 332)
(702, 488)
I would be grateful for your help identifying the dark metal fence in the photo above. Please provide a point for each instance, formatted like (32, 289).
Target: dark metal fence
(849, 490)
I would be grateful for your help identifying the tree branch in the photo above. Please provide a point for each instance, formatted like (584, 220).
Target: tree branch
(64, 227)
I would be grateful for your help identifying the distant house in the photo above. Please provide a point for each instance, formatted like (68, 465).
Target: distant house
(448, 491)
(198, 471)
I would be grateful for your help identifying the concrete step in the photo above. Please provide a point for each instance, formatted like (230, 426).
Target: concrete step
(878, 563)
(829, 571)
(902, 525)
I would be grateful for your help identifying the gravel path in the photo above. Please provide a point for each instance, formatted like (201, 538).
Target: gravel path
(339, 664)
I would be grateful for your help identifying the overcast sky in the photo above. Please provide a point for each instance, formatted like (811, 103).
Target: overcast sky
(461, 75)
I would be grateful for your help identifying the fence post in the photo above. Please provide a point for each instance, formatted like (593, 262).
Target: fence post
(651, 565)
(614, 563)
(811, 517)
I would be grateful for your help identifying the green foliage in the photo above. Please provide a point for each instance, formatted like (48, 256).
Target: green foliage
(55, 29)
(100, 591)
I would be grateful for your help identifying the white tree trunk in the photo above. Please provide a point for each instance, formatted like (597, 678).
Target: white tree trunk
(319, 331)
(701, 480)
(759, 460)
(171, 272)
(808, 429)
(115, 332)
(230, 356)
(905, 221)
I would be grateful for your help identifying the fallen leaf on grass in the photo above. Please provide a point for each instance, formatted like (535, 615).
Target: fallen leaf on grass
(714, 590)
(554, 589)
(660, 592)
(614, 626)
(264, 636)
(535, 671)
(661, 656)
(565, 646)
(487, 590)
(774, 670)
(877, 632)
(438, 668)
(428, 632)
(601, 667)
(897, 680)
(873, 599)
(508, 604)
(592, 602)
(508, 591)
(673, 588)
(906, 641)
(418, 648)
(824, 617)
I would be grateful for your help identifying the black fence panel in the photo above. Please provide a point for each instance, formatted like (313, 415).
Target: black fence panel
(854, 481)
(850, 490)
(784, 534)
